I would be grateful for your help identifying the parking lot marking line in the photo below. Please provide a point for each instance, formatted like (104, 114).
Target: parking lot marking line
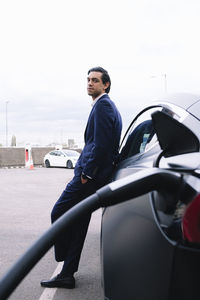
(48, 294)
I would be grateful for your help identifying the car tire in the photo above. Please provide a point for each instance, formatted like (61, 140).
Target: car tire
(47, 163)
(69, 164)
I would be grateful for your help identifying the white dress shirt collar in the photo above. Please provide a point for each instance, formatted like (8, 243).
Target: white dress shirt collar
(96, 99)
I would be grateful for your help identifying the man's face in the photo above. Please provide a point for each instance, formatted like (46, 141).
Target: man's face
(95, 85)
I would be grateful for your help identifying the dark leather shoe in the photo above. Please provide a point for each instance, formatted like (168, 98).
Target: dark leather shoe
(59, 282)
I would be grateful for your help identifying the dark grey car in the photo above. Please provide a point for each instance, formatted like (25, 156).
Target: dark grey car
(145, 254)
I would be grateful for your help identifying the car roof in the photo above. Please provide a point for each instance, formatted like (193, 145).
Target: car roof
(183, 100)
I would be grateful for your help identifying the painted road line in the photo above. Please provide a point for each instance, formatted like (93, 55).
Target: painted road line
(48, 294)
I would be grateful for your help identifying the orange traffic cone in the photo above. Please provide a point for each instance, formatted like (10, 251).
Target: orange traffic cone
(31, 166)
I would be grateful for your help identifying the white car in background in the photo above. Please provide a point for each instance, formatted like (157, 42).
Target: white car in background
(61, 158)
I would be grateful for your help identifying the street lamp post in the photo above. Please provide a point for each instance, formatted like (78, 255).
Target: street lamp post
(7, 123)
(165, 80)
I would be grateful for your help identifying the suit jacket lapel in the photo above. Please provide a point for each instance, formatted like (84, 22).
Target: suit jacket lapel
(85, 134)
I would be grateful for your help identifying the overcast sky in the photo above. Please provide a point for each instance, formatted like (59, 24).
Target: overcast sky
(47, 47)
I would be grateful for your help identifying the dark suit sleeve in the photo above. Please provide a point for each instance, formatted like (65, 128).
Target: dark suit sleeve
(104, 118)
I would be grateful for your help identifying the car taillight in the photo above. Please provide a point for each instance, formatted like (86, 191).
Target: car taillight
(191, 221)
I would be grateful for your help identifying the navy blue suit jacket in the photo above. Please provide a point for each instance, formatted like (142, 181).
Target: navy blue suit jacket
(102, 137)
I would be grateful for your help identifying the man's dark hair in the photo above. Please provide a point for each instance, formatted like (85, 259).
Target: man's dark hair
(105, 76)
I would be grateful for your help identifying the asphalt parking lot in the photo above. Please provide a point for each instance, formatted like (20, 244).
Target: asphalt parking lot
(27, 197)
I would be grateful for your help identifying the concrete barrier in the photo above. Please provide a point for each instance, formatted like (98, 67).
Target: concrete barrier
(15, 157)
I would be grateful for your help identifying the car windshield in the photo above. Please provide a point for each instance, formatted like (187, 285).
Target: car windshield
(71, 153)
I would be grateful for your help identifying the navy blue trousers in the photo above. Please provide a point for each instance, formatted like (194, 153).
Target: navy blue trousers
(69, 245)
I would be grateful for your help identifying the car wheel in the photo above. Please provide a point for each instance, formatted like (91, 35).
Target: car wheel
(47, 163)
(69, 164)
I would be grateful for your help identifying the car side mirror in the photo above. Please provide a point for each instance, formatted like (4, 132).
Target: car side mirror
(174, 137)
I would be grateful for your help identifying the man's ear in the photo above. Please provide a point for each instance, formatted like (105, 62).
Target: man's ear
(106, 85)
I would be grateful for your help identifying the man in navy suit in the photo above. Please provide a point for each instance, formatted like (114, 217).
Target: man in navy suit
(92, 171)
